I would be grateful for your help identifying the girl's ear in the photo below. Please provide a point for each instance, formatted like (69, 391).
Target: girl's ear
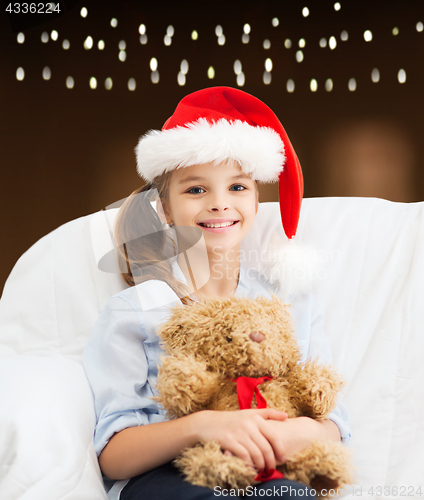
(163, 216)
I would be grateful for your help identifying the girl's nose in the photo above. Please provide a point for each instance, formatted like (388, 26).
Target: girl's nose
(257, 337)
(217, 208)
(219, 204)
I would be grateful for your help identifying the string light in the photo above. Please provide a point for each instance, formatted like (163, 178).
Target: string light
(46, 73)
(184, 67)
(20, 74)
(181, 78)
(419, 27)
(305, 12)
(287, 43)
(246, 28)
(194, 35)
(267, 44)
(114, 22)
(268, 65)
(142, 29)
(70, 82)
(155, 77)
(344, 35)
(323, 42)
(108, 83)
(375, 75)
(299, 56)
(20, 38)
(131, 84)
(153, 64)
(275, 22)
(314, 85)
(93, 83)
(267, 77)
(402, 76)
(84, 12)
(237, 67)
(329, 85)
(168, 37)
(211, 73)
(337, 6)
(302, 43)
(352, 85)
(367, 36)
(290, 85)
(122, 56)
(54, 35)
(332, 43)
(65, 44)
(240, 79)
(100, 44)
(44, 37)
(88, 43)
(395, 31)
(122, 45)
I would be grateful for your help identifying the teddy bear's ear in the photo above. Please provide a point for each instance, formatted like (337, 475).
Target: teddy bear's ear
(276, 307)
(172, 332)
(173, 337)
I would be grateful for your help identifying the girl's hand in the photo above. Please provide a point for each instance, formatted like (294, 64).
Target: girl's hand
(292, 436)
(241, 433)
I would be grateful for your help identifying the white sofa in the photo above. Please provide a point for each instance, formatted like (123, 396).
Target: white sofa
(370, 284)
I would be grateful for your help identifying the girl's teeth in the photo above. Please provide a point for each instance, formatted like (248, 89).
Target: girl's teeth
(222, 224)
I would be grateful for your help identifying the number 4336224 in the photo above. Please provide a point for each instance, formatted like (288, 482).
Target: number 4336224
(33, 8)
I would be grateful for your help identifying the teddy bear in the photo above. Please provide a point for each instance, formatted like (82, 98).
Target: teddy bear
(216, 348)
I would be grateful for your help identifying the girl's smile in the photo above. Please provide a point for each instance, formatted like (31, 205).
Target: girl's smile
(220, 199)
(217, 225)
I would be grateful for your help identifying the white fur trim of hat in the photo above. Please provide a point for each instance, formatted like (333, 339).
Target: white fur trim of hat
(258, 150)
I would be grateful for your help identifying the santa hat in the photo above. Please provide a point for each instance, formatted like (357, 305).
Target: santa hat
(220, 123)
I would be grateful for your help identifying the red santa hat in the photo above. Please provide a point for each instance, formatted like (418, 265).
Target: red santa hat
(220, 123)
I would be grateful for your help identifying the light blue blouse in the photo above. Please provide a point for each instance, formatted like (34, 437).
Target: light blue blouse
(123, 351)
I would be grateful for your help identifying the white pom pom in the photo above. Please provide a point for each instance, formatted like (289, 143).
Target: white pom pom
(291, 267)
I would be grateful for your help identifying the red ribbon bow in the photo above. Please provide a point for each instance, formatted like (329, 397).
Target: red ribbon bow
(246, 388)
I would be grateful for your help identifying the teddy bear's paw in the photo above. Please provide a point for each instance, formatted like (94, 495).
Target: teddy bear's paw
(206, 465)
(317, 394)
(185, 386)
(324, 466)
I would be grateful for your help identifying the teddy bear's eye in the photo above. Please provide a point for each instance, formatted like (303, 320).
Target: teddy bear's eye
(229, 339)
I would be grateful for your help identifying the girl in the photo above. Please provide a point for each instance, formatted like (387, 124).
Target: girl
(204, 166)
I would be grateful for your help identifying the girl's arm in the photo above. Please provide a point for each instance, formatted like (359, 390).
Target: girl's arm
(139, 449)
(315, 344)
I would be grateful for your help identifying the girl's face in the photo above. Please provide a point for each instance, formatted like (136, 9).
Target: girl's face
(220, 199)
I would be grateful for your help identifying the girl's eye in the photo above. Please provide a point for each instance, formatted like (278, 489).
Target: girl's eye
(195, 190)
(238, 187)
(199, 190)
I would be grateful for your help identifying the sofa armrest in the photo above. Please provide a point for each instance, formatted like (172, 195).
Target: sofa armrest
(47, 420)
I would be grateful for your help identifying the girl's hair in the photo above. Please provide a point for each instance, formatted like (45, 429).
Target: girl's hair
(142, 239)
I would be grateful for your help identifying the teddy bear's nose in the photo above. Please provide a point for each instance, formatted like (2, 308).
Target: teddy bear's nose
(257, 337)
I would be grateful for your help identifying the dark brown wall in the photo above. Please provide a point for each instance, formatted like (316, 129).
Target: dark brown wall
(67, 153)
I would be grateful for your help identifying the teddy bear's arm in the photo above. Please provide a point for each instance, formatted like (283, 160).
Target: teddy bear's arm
(314, 389)
(185, 385)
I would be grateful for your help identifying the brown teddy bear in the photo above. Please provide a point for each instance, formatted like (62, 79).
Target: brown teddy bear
(212, 343)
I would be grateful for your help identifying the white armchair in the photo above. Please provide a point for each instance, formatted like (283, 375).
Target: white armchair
(370, 285)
